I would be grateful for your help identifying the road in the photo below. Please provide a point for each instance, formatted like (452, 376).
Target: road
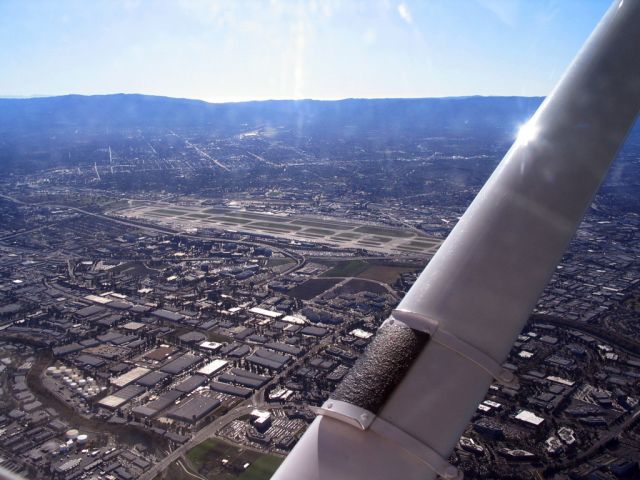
(595, 448)
(264, 160)
(300, 259)
(244, 408)
(201, 152)
(627, 345)
(208, 431)
(24, 232)
(394, 219)
(344, 280)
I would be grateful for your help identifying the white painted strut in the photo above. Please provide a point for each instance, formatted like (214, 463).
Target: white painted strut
(437, 334)
(487, 276)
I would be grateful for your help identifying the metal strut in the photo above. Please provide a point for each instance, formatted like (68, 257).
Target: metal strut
(477, 292)
(470, 352)
(363, 419)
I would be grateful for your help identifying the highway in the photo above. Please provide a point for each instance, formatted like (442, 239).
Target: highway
(200, 151)
(614, 431)
(258, 399)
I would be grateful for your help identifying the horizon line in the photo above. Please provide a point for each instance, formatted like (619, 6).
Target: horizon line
(256, 100)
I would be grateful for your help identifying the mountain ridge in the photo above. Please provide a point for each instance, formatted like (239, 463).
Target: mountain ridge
(394, 114)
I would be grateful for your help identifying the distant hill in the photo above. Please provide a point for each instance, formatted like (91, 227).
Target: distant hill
(395, 117)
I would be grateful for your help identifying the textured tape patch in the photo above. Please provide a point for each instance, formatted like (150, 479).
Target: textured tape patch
(382, 366)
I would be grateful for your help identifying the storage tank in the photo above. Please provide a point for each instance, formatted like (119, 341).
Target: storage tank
(72, 434)
(82, 439)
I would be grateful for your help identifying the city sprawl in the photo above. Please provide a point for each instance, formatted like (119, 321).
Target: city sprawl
(175, 300)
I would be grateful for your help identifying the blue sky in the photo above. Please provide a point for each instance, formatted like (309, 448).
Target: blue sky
(244, 49)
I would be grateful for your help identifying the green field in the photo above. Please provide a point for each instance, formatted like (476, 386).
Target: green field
(275, 262)
(312, 288)
(379, 270)
(347, 269)
(423, 243)
(262, 468)
(207, 458)
(385, 273)
(406, 248)
(357, 285)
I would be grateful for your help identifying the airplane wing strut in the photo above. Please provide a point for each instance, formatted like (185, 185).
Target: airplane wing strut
(403, 406)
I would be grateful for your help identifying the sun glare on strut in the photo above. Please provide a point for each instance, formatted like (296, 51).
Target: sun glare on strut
(527, 133)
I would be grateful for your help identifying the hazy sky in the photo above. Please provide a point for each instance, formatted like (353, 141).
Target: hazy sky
(243, 49)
